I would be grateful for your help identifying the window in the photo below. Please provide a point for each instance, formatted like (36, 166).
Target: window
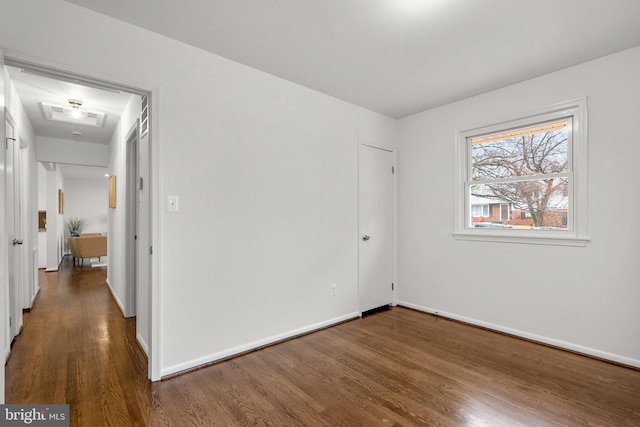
(480, 211)
(532, 170)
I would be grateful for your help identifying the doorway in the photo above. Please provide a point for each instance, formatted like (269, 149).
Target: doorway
(143, 254)
(376, 224)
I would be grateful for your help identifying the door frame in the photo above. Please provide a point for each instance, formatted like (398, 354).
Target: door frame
(132, 144)
(394, 154)
(154, 357)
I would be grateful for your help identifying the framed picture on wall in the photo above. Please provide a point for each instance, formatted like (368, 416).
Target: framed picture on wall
(60, 201)
(42, 220)
(112, 191)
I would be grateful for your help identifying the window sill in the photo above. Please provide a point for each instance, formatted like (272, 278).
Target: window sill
(538, 239)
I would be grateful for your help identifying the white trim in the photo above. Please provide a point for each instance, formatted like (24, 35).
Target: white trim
(115, 297)
(131, 147)
(548, 238)
(539, 338)
(255, 344)
(576, 233)
(155, 205)
(143, 344)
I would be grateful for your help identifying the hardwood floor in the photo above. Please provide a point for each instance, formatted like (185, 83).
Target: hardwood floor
(394, 368)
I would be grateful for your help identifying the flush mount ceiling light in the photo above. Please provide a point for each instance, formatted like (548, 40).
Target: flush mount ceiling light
(73, 114)
(73, 110)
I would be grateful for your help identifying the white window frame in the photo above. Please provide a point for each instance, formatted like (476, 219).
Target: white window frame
(576, 232)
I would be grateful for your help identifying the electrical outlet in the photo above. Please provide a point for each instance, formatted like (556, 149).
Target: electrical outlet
(333, 289)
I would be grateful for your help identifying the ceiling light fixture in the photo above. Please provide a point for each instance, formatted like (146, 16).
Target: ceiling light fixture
(73, 110)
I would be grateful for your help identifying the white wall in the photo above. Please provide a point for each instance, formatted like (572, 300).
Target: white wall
(87, 198)
(266, 175)
(117, 225)
(74, 152)
(266, 172)
(582, 298)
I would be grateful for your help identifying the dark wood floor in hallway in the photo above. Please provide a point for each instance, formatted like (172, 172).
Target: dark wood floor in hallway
(394, 368)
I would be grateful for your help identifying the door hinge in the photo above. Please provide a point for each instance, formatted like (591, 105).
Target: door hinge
(393, 169)
(9, 321)
(6, 142)
(392, 287)
(150, 250)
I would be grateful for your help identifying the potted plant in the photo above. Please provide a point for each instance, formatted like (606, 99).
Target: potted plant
(76, 225)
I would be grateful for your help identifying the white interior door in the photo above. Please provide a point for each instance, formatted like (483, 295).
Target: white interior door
(376, 228)
(13, 223)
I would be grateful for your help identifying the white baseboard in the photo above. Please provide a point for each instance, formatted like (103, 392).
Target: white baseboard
(115, 297)
(253, 345)
(143, 344)
(48, 270)
(33, 299)
(539, 338)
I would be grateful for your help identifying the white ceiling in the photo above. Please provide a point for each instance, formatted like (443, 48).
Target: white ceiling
(396, 57)
(34, 89)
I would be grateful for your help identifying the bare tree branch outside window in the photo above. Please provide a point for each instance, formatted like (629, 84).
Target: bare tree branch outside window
(527, 168)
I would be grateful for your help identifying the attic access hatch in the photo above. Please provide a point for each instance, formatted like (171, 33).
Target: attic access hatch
(55, 113)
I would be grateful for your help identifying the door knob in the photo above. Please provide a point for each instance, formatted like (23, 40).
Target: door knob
(16, 242)
(366, 237)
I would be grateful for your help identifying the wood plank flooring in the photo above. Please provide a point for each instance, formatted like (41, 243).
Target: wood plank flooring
(394, 368)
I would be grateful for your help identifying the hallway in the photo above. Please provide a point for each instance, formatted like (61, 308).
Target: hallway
(77, 348)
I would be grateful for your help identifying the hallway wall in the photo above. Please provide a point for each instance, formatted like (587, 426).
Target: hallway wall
(87, 198)
(73, 152)
(117, 220)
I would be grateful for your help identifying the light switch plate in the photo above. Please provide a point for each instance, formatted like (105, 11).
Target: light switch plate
(172, 204)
